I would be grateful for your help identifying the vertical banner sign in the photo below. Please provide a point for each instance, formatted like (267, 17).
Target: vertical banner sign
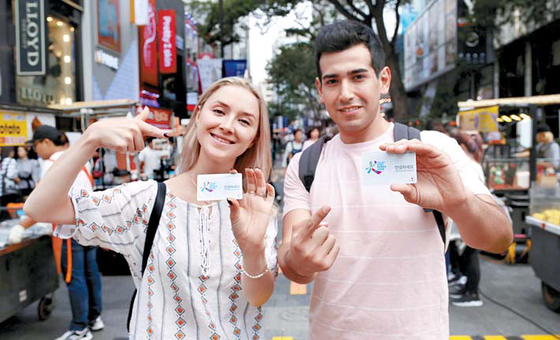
(148, 48)
(167, 43)
(30, 37)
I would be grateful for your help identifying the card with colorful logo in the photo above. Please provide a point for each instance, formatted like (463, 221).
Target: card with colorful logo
(382, 168)
(218, 187)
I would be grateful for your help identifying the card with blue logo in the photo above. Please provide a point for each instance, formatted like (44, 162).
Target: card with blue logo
(218, 187)
(382, 168)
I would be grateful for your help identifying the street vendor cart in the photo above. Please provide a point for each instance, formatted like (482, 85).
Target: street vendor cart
(535, 202)
(27, 272)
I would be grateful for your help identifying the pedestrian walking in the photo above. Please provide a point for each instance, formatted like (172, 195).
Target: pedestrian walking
(29, 171)
(212, 264)
(375, 255)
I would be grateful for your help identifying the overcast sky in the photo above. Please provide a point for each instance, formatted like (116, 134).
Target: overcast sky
(261, 41)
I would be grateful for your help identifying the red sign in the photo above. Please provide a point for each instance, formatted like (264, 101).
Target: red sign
(166, 38)
(160, 118)
(148, 48)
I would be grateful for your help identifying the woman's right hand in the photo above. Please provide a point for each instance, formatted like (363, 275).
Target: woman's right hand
(123, 134)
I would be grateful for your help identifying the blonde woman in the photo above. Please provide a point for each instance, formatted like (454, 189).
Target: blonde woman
(212, 265)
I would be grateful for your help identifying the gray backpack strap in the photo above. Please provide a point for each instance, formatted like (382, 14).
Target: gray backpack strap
(400, 132)
(308, 162)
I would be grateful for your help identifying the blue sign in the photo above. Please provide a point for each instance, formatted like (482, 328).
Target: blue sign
(234, 68)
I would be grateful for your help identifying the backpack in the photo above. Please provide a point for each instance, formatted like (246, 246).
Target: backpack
(150, 234)
(310, 158)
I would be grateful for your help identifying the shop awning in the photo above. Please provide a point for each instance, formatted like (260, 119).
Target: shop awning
(550, 99)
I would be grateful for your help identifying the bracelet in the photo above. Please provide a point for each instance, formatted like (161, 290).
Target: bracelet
(254, 276)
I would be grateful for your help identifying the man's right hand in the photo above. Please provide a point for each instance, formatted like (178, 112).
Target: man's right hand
(312, 247)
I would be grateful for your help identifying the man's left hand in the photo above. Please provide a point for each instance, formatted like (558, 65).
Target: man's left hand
(439, 185)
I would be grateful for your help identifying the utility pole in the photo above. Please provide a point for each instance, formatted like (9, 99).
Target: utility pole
(221, 19)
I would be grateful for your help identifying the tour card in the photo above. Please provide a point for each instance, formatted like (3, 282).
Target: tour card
(218, 187)
(382, 168)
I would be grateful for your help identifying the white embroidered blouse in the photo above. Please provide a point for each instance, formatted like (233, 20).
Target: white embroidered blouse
(191, 288)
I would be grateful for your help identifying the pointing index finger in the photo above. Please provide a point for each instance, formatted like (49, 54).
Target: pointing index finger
(315, 220)
(151, 131)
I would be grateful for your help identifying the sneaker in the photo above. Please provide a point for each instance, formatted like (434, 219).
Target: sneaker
(467, 300)
(457, 291)
(96, 325)
(84, 334)
(460, 280)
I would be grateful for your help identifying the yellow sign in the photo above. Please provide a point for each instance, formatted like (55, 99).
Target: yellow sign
(482, 120)
(13, 128)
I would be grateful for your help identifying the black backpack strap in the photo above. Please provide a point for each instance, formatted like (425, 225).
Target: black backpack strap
(150, 235)
(308, 162)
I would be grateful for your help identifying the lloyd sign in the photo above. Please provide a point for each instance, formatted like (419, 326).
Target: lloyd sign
(30, 37)
(167, 43)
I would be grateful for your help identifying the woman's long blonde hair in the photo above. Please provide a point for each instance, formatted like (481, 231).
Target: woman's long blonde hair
(256, 156)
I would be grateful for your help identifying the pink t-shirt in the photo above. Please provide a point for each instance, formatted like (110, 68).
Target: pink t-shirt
(389, 279)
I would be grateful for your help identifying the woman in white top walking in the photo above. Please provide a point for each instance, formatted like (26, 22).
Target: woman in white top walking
(212, 265)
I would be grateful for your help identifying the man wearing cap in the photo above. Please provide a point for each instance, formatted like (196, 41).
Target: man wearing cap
(79, 265)
(547, 148)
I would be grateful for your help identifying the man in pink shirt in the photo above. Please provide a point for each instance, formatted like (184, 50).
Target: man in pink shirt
(377, 258)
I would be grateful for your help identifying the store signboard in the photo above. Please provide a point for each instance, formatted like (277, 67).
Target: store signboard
(30, 37)
(148, 48)
(160, 118)
(234, 68)
(167, 43)
(13, 128)
(482, 120)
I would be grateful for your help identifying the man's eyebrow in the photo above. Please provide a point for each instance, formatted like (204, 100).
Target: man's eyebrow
(360, 70)
(328, 76)
(356, 71)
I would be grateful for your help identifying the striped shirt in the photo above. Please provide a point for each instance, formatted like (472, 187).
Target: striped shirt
(389, 279)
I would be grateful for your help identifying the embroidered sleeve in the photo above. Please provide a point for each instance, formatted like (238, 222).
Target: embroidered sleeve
(115, 219)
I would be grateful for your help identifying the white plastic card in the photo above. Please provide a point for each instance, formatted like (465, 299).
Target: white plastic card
(219, 187)
(382, 168)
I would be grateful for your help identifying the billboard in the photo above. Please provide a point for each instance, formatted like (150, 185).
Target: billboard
(30, 37)
(109, 25)
(430, 43)
(13, 128)
(234, 68)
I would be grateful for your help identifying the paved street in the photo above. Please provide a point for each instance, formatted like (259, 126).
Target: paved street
(286, 314)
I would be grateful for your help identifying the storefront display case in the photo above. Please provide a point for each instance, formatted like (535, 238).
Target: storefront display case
(506, 174)
(545, 236)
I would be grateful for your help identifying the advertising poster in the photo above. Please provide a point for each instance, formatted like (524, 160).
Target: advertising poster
(13, 128)
(210, 71)
(109, 25)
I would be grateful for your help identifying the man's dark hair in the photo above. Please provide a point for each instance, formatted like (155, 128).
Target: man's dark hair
(345, 34)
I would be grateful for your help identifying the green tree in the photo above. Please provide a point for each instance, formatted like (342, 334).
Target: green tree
(292, 72)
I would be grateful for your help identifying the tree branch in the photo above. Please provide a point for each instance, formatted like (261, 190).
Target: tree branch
(394, 38)
(356, 9)
(339, 7)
